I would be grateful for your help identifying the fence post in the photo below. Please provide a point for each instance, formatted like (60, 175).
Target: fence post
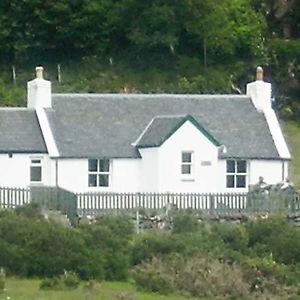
(211, 203)
(137, 205)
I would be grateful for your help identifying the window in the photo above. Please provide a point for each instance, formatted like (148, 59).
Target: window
(36, 170)
(236, 171)
(99, 172)
(186, 163)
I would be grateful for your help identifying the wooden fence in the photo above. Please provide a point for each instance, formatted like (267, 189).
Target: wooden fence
(13, 197)
(213, 204)
(99, 203)
(52, 198)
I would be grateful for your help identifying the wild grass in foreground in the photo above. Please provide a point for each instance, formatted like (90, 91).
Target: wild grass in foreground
(28, 289)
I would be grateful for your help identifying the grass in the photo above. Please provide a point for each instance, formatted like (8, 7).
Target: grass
(28, 289)
(292, 131)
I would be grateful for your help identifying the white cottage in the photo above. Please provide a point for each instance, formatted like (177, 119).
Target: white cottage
(142, 142)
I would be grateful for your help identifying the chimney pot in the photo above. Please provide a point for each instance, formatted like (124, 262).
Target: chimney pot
(259, 73)
(39, 72)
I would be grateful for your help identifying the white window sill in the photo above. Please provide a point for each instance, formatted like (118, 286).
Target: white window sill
(188, 178)
(36, 184)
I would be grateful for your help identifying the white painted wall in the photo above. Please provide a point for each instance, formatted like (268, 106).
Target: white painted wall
(203, 179)
(73, 175)
(271, 170)
(149, 176)
(15, 170)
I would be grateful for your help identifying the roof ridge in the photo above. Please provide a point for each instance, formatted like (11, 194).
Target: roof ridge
(145, 95)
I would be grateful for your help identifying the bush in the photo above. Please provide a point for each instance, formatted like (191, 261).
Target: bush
(185, 222)
(154, 276)
(109, 238)
(196, 276)
(2, 280)
(69, 280)
(153, 243)
(35, 247)
(202, 277)
(235, 236)
(276, 236)
(51, 284)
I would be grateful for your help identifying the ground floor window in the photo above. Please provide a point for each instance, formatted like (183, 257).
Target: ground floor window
(36, 170)
(236, 173)
(99, 172)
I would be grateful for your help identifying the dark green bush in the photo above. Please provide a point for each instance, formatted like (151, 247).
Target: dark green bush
(110, 238)
(276, 236)
(233, 235)
(68, 280)
(51, 284)
(34, 247)
(153, 243)
(185, 222)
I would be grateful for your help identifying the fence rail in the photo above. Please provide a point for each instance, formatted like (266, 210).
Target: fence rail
(218, 204)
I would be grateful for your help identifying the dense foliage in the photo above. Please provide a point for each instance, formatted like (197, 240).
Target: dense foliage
(260, 258)
(201, 46)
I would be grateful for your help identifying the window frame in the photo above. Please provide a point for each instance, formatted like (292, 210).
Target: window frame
(98, 172)
(236, 173)
(36, 162)
(191, 164)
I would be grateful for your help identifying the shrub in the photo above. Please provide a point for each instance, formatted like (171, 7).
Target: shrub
(51, 284)
(202, 277)
(185, 222)
(235, 236)
(152, 243)
(2, 280)
(68, 280)
(154, 276)
(35, 247)
(109, 238)
(196, 276)
(276, 236)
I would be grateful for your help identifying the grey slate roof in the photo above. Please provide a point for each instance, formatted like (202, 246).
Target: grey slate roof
(106, 125)
(158, 129)
(20, 131)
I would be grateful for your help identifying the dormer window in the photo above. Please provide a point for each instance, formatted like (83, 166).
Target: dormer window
(99, 172)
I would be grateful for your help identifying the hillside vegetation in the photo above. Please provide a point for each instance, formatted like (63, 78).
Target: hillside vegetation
(152, 46)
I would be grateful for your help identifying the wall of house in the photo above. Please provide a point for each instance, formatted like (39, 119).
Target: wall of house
(15, 170)
(73, 175)
(204, 165)
(271, 170)
(149, 175)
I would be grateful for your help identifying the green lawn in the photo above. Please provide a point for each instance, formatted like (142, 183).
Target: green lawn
(292, 132)
(26, 289)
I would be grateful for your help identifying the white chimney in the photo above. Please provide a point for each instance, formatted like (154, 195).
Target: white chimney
(260, 91)
(39, 91)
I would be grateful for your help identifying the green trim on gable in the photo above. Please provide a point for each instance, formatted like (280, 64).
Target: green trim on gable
(204, 131)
